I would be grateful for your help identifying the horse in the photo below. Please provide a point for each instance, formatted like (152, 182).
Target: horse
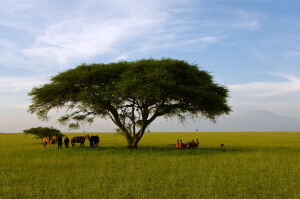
(49, 140)
(94, 141)
(79, 139)
(45, 141)
(52, 141)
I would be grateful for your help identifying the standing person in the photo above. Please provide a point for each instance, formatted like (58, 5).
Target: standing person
(92, 141)
(177, 144)
(67, 142)
(196, 143)
(59, 140)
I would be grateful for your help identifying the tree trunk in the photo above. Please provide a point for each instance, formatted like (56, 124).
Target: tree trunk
(132, 143)
(133, 140)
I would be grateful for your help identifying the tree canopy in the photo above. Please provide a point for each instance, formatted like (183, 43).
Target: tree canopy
(41, 132)
(132, 94)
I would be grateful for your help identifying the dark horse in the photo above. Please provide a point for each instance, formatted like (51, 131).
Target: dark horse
(79, 139)
(94, 141)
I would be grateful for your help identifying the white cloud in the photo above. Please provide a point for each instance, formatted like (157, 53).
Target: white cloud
(133, 29)
(13, 95)
(248, 19)
(66, 34)
(17, 84)
(268, 89)
(4, 44)
(252, 25)
(14, 6)
(83, 38)
(281, 97)
(88, 32)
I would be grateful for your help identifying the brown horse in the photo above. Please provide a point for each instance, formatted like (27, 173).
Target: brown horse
(45, 141)
(79, 139)
(52, 141)
(49, 140)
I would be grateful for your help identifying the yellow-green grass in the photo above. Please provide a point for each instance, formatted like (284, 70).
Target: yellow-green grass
(252, 165)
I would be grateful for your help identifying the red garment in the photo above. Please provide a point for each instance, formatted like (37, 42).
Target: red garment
(177, 144)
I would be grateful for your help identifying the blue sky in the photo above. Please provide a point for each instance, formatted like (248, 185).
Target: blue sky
(253, 47)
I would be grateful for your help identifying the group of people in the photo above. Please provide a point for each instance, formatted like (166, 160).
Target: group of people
(66, 141)
(190, 144)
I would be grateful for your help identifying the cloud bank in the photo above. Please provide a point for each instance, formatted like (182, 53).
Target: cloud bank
(106, 31)
(281, 97)
(269, 89)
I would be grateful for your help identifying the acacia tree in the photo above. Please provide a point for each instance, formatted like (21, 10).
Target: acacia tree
(132, 94)
(42, 132)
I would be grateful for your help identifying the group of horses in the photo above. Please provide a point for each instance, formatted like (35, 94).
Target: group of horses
(49, 140)
(94, 140)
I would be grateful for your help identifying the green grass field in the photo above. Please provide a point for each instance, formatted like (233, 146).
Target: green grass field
(252, 165)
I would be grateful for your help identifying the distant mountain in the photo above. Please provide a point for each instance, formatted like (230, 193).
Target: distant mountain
(249, 121)
(264, 114)
(260, 121)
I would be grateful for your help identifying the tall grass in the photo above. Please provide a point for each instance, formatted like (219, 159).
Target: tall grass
(252, 165)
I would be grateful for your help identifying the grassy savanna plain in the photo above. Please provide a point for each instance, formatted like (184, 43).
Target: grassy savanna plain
(252, 165)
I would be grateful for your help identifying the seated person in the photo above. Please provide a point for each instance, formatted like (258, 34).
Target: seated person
(177, 144)
(180, 144)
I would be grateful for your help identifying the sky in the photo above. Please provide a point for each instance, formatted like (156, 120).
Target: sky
(251, 46)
